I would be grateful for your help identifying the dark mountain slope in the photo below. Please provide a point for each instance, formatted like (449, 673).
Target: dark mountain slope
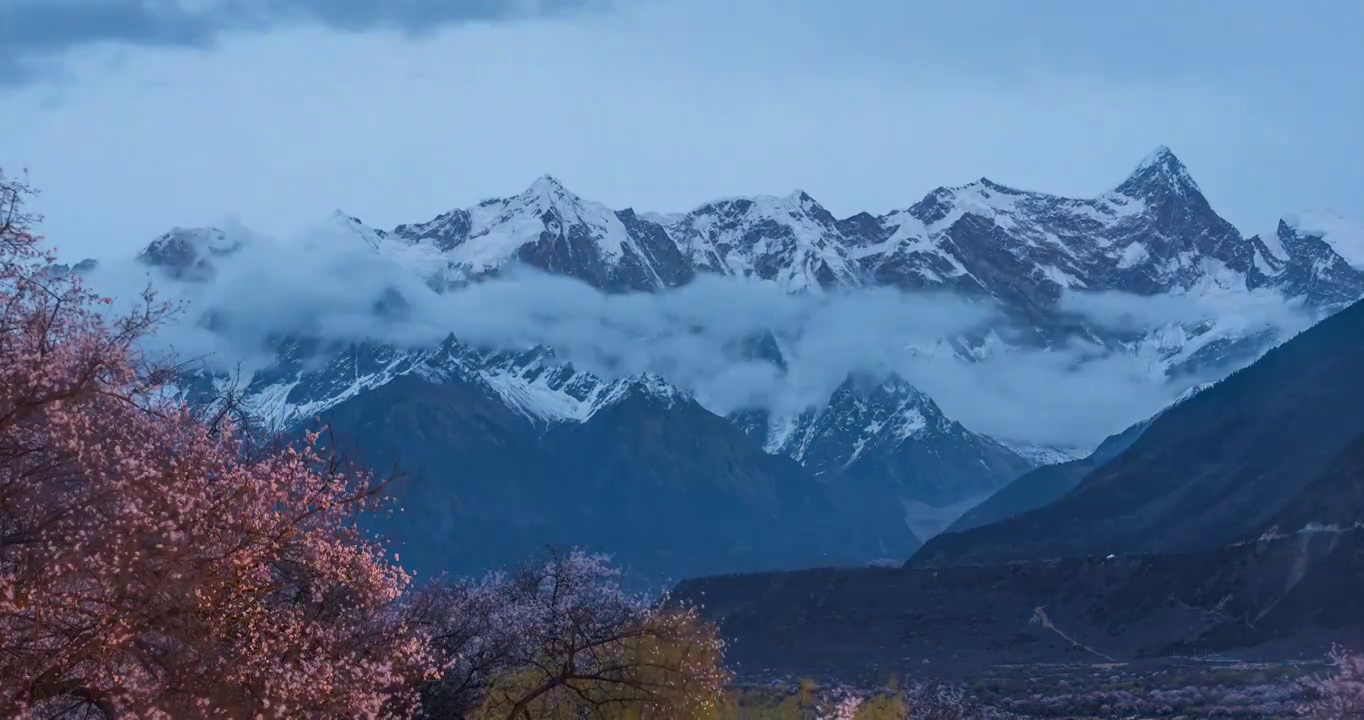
(1334, 500)
(1218, 469)
(441, 436)
(669, 488)
(1046, 484)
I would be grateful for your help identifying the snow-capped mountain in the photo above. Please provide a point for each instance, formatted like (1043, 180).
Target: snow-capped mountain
(309, 377)
(1346, 237)
(188, 253)
(552, 229)
(1154, 234)
(792, 241)
(884, 433)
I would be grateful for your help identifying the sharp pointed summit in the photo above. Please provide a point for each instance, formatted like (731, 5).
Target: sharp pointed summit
(344, 218)
(1159, 171)
(341, 224)
(548, 186)
(548, 193)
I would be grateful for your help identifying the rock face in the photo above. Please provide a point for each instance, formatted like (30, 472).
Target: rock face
(884, 440)
(1269, 444)
(188, 253)
(878, 443)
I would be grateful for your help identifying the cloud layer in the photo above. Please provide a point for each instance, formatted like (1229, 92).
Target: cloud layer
(328, 283)
(34, 32)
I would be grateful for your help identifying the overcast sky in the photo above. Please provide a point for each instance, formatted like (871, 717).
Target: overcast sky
(134, 116)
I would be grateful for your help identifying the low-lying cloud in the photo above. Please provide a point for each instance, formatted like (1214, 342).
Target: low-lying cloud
(329, 283)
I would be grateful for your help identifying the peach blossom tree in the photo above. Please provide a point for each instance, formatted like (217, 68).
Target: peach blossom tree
(1341, 693)
(148, 566)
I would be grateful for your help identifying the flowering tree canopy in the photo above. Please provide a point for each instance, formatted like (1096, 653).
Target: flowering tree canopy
(1340, 694)
(147, 565)
(562, 639)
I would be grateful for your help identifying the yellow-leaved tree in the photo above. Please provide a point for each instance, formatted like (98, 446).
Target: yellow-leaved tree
(563, 641)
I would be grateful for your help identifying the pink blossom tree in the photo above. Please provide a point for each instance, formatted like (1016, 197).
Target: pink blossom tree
(148, 566)
(1340, 695)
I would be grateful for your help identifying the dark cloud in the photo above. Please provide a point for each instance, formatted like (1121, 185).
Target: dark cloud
(34, 33)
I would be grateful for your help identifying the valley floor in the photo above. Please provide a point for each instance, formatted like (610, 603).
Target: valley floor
(1230, 632)
(1163, 688)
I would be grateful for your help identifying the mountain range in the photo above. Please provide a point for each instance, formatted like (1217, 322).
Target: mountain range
(1229, 526)
(520, 444)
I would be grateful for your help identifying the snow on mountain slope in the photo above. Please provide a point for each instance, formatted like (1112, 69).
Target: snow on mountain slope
(866, 425)
(304, 375)
(860, 413)
(1046, 454)
(1155, 233)
(1344, 236)
(888, 437)
(791, 241)
(548, 227)
(1154, 236)
(307, 379)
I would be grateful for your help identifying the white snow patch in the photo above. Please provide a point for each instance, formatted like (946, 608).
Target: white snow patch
(1061, 277)
(1132, 256)
(911, 422)
(535, 400)
(1046, 454)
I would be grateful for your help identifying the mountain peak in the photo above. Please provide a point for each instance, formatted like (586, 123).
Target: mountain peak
(547, 186)
(1345, 236)
(1159, 171)
(189, 240)
(548, 192)
(343, 218)
(184, 253)
(341, 224)
(1161, 153)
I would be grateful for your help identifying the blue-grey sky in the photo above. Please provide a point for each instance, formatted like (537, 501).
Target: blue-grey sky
(136, 115)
